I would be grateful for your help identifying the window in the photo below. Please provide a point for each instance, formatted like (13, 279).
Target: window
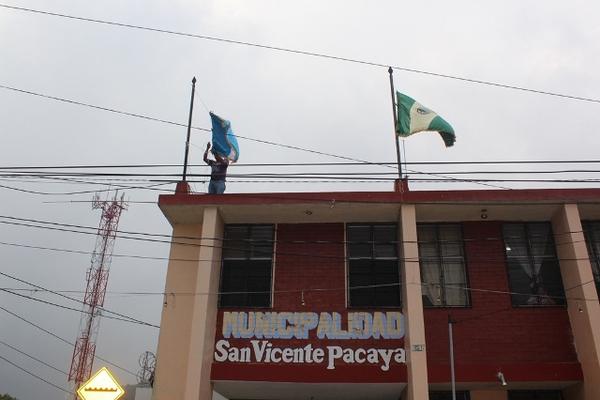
(448, 395)
(442, 261)
(533, 270)
(534, 395)
(373, 274)
(591, 229)
(247, 266)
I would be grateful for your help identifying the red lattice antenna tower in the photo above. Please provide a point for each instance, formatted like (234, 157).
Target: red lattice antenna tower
(97, 279)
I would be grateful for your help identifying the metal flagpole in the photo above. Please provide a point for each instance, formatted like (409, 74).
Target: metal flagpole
(187, 141)
(451, 343)
(391, 71)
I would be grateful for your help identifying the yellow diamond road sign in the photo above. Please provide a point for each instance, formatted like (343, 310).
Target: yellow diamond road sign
(101, 386)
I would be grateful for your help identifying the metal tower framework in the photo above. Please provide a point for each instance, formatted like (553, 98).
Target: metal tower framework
(96, 282)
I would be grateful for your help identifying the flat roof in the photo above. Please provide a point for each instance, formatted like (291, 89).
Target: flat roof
(310, 207)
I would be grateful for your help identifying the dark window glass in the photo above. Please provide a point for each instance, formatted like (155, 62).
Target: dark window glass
(534, 395)
(247, 266)
(442, 262)
(460, 395)
(533, 269)
(592, 239)
(373, 275)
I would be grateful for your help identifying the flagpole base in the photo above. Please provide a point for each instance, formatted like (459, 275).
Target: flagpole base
(401, 185)
(182, 188)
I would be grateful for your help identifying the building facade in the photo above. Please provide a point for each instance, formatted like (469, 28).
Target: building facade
(370, 295)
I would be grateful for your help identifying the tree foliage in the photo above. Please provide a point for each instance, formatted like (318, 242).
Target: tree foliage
(7, 397)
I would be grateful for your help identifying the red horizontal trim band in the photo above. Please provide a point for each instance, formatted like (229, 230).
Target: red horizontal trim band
(525, 372)
(527, 195)
(302, 373)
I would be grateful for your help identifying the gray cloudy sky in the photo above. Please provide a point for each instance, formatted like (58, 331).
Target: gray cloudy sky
(331, 106)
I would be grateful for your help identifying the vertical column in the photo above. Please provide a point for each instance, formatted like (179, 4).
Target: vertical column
(412, 306)
(204, 316)
(175, 325)
(583, 307)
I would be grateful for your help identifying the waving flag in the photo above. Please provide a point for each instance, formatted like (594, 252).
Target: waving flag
(413, 117)
(224, 142)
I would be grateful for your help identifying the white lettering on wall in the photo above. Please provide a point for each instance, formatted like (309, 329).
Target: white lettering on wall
(262, 326)
(298, 325)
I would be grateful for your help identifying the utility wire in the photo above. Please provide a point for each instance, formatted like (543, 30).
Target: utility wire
(146, 117)
(63, 339)
(75, 309)
(334, 289)
(174, 242)
(78, 301)
(36, 376)
(309, 164)
(197, 128)
(479, 182)
(33, 358)
(303, 52)
(371, 286)
(169, 236)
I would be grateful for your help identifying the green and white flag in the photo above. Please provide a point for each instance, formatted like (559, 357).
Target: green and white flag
(413, 117)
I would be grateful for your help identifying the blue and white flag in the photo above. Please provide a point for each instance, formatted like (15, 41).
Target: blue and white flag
(224, 142)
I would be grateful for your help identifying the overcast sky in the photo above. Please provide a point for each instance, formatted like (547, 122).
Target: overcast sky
(330, 106)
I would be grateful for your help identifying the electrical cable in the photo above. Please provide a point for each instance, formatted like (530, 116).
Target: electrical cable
(75, 309)
(64, 340)
(337, 289)
(101, 308)
(36, 376)
(309, 164)
(173, 242)
(362, 287)
(302, 52)
(33, 358)
(146, 117)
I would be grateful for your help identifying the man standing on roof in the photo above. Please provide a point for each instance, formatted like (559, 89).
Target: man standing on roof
(218, 171)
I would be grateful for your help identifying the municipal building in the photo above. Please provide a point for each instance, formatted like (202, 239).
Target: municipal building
(382, 295)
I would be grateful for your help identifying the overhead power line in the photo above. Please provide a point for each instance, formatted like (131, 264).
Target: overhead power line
(71, 308)
(296, 164)
(360, 287)
(33, 358)
(488, 183)
(302, 52)
(63, 339)
(146, 117)
(176, 240)
(36, 376)
(123, 317)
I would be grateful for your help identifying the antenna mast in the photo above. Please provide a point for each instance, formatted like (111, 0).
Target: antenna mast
(96, 281)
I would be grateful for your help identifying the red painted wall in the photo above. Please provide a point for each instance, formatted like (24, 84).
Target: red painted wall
(525, 343)
(295, 269)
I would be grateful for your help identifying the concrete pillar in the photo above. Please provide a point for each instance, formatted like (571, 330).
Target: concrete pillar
(188, 323)
(582, 302)
(412, 306)
(174, 336)
(489, 394)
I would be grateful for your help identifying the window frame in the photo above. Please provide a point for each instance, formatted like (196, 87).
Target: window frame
(588, 226)
(560, 302)
(250, 258)
(372, 258)
(440, 261)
